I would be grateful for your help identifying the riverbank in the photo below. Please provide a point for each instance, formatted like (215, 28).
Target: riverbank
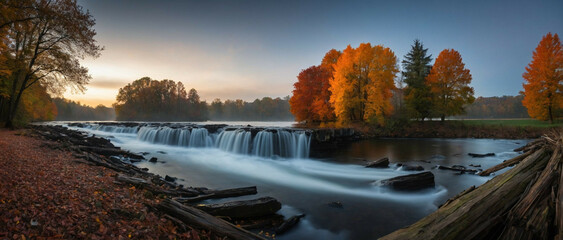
(50, 193)
(452, 129)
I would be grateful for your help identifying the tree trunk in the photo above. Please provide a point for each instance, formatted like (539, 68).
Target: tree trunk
(481, 213)
(550, 114)
(200, 219)
(442, 118)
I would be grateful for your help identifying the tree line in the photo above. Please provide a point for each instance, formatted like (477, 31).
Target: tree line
(146, 99)
(358, 84)
(68, 110)
(363, 84)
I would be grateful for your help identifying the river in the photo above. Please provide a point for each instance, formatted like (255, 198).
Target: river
(308, 185)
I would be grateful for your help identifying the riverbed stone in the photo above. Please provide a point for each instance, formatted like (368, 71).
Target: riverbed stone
(381, 163)
(411, 182)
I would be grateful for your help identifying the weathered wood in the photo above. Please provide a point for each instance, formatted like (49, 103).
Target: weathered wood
(457, 168)
(200, 219)
(290, 223)
(531, 146)
(507, 163)
(479, 214)
(215, 194)
(243, 209)
(110, 151)
(530, 218)
(266, 222)
(466, 191)
(477, 155)
(411, 182)
(142, 183)
(559, 202)
(381, 163)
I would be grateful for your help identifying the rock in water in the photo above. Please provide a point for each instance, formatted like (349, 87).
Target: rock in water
(169, 179)
(411, 182)
(412, 168)
(477, 155)
(381, 163)
(153, 160)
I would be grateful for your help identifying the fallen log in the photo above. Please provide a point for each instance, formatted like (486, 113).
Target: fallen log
(144, 184)
(530, 218)
(290, 223)
(265, 222)
(457, 168)
(507, 163)
(215, 194)
(110, 151)
(243, 209)
(200, 219)
(479, 214)
(411, 182)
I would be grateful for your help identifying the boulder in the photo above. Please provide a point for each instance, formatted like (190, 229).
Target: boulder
(381, 163)
(169, 179)
(411, 182)
(153, 160)
(412, 168)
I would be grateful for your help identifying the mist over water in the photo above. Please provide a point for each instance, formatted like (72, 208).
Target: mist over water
(281, 169)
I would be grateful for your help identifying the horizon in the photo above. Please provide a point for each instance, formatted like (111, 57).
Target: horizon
(254, 49)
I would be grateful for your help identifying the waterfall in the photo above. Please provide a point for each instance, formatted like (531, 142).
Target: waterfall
(113, 128)
(269, 143)
(266, 143)
(237, 141)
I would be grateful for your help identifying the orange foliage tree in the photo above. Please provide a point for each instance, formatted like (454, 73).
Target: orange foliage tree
(449, 83)
(307, 100)
(543, 90)
(362, 83)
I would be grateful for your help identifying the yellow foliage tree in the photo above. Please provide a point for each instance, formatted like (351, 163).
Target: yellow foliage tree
(543, 90)
(362, 83)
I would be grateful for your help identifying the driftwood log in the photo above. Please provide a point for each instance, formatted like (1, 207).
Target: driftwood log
(522, 203)
(214, 194)
(243, 209)
(200, 219)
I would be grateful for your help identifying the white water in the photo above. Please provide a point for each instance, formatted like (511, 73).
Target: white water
(276, 161)
(269, 143)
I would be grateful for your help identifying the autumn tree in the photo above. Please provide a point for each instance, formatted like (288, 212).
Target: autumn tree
(543, 87)
(311, 83)
(449, 83)
(416, 67)
(46, 41)
(362, 83)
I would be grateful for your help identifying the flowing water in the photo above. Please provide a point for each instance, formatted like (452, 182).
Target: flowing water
(276, 161)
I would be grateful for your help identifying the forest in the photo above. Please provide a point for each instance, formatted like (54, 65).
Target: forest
(68, 110)
(363, 84)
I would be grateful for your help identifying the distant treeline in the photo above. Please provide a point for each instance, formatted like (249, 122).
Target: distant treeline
(497, 107)
(146, 99)
(69, 110)
(265, 109)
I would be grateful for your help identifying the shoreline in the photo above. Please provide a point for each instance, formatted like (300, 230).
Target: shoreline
(105, 177)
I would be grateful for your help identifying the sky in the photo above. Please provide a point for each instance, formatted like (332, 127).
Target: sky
(242, 49)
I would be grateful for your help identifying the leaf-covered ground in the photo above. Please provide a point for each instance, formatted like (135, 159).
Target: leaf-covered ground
(47, 193)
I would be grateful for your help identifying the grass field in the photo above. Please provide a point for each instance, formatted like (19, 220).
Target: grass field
(512, 122)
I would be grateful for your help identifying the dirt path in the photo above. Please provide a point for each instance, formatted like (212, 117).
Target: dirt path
(46, 193)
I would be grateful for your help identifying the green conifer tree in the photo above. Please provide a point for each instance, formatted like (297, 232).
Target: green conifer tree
(416, 66)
